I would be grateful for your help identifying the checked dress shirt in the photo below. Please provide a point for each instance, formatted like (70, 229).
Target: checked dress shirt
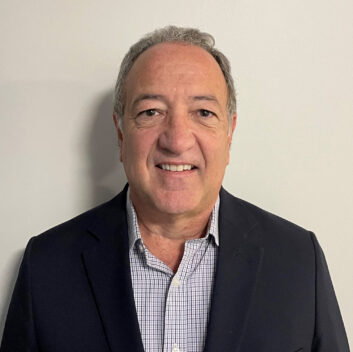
(173, 309)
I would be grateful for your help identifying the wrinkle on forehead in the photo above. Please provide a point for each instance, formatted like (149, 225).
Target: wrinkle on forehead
(176, 68)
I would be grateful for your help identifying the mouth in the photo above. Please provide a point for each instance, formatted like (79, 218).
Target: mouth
(176, 167)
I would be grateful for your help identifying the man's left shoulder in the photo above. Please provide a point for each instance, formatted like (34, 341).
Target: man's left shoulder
(269, 226)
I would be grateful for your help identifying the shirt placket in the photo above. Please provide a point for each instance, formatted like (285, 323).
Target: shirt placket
(175, 327)
(176, 312)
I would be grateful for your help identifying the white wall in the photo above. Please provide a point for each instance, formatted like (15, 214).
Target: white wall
(292, 151)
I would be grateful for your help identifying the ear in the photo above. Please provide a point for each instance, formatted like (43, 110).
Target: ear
(232, 128)
(120, 135)
(230, 133)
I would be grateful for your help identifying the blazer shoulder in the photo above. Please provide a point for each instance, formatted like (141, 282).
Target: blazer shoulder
(76, 232)
(270, 224)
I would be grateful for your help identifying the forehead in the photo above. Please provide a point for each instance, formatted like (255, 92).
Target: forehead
(176, 65)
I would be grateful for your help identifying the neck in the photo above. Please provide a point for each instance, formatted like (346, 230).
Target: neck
(175, 227)
(165, 234)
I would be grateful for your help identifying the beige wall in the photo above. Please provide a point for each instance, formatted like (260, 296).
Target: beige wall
(292, 151)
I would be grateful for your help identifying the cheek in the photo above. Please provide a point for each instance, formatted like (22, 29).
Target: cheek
(137, 147)
(224, 154)
(219, 146)
(216, 155)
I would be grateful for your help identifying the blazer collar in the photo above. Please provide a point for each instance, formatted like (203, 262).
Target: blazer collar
(108, 270)
(238, 266)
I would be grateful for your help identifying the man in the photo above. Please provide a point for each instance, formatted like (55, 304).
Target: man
(174, 262)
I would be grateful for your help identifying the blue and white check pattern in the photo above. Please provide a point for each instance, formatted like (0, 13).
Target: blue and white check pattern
(173, 310)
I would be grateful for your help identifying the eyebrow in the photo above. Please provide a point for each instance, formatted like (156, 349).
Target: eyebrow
(147, 97)
(206, 97)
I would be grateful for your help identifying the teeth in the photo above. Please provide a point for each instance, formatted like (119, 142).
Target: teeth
(177, 168)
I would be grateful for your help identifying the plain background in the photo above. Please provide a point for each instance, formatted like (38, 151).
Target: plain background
(292, 150)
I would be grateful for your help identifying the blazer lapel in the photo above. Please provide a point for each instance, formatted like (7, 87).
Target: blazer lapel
(238, 266)
(108, 270)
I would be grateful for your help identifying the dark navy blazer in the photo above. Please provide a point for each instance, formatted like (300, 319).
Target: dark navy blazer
(272, 290)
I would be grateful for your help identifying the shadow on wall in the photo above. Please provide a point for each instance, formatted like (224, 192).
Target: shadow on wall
(13, 267)
(106, 176)
(106, 171)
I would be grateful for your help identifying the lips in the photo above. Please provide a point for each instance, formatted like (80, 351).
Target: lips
(176, 167)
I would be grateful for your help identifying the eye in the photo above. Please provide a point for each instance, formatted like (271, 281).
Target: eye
(149, 117)
(148, 112)
(205, 113)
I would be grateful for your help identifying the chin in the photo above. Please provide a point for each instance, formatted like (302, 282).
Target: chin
(175, 205)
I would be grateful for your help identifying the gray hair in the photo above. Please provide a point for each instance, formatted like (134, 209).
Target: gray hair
(190, 36)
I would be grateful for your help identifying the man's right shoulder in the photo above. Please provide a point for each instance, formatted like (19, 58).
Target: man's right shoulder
(80, 231)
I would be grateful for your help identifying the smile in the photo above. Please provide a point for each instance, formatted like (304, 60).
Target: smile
(177, 168)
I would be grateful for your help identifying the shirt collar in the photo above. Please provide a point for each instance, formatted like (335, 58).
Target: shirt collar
(134, 230)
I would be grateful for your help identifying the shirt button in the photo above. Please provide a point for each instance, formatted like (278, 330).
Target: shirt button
(176, 283)
(175, 349)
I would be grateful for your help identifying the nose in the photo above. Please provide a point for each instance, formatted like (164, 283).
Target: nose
(177, 135)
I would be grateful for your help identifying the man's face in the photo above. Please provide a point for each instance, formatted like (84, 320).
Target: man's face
(175, 139)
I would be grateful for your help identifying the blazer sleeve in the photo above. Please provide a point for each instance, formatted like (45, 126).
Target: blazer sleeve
(19, 332)
(329, 334)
